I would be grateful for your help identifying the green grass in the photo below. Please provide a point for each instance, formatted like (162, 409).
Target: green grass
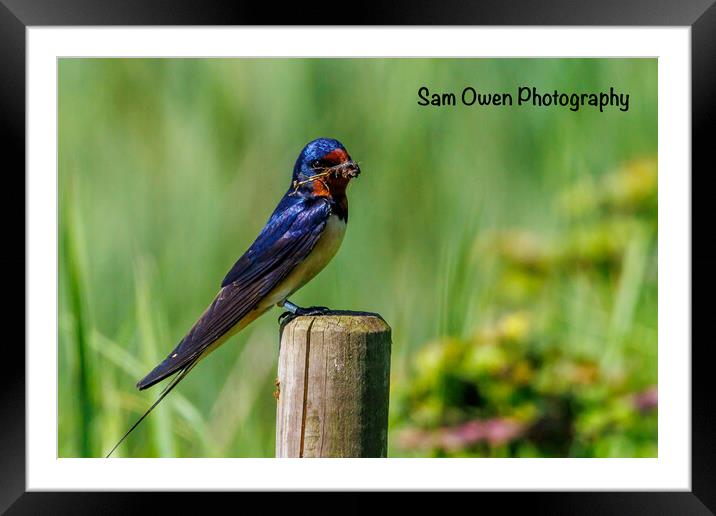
(518, 244)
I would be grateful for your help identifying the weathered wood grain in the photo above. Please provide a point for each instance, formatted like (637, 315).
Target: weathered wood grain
(334, 377)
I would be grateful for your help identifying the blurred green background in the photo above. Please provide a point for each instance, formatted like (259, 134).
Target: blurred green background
(512, 249)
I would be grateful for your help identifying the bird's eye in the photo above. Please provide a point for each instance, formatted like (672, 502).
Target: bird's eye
(316, 164)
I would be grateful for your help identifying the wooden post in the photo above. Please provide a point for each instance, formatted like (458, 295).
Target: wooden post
(333, 380)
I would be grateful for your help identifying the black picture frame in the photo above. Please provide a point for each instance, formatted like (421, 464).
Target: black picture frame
(17, 15)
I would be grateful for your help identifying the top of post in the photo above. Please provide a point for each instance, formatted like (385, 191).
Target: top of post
(344, 321)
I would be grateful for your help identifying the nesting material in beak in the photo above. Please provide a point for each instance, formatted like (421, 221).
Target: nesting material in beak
(347, 169)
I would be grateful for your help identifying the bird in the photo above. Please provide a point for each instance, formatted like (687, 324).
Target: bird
(299, 239)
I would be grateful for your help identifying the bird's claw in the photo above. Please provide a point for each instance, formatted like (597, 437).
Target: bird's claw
(286, 316)
(311, 310)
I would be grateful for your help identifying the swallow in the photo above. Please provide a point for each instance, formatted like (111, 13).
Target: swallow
(299, 239)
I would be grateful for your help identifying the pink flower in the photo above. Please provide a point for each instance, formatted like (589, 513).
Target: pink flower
(647, 400)
(495, 432)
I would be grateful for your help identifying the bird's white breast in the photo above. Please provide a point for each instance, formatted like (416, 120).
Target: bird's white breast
(322, 253)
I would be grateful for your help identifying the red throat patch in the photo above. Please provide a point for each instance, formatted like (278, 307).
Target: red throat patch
(320, 189)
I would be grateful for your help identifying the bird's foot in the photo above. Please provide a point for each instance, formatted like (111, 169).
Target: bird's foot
(294, 311)
(286, 316)
(313, 310)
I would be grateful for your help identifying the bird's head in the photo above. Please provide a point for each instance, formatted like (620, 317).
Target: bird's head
(324, 168)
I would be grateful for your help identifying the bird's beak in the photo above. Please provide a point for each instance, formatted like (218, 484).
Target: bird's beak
(346, 170)
(353, 170)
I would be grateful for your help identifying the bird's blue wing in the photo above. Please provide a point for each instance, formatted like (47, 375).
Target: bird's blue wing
(288, 237)
(292, 214)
